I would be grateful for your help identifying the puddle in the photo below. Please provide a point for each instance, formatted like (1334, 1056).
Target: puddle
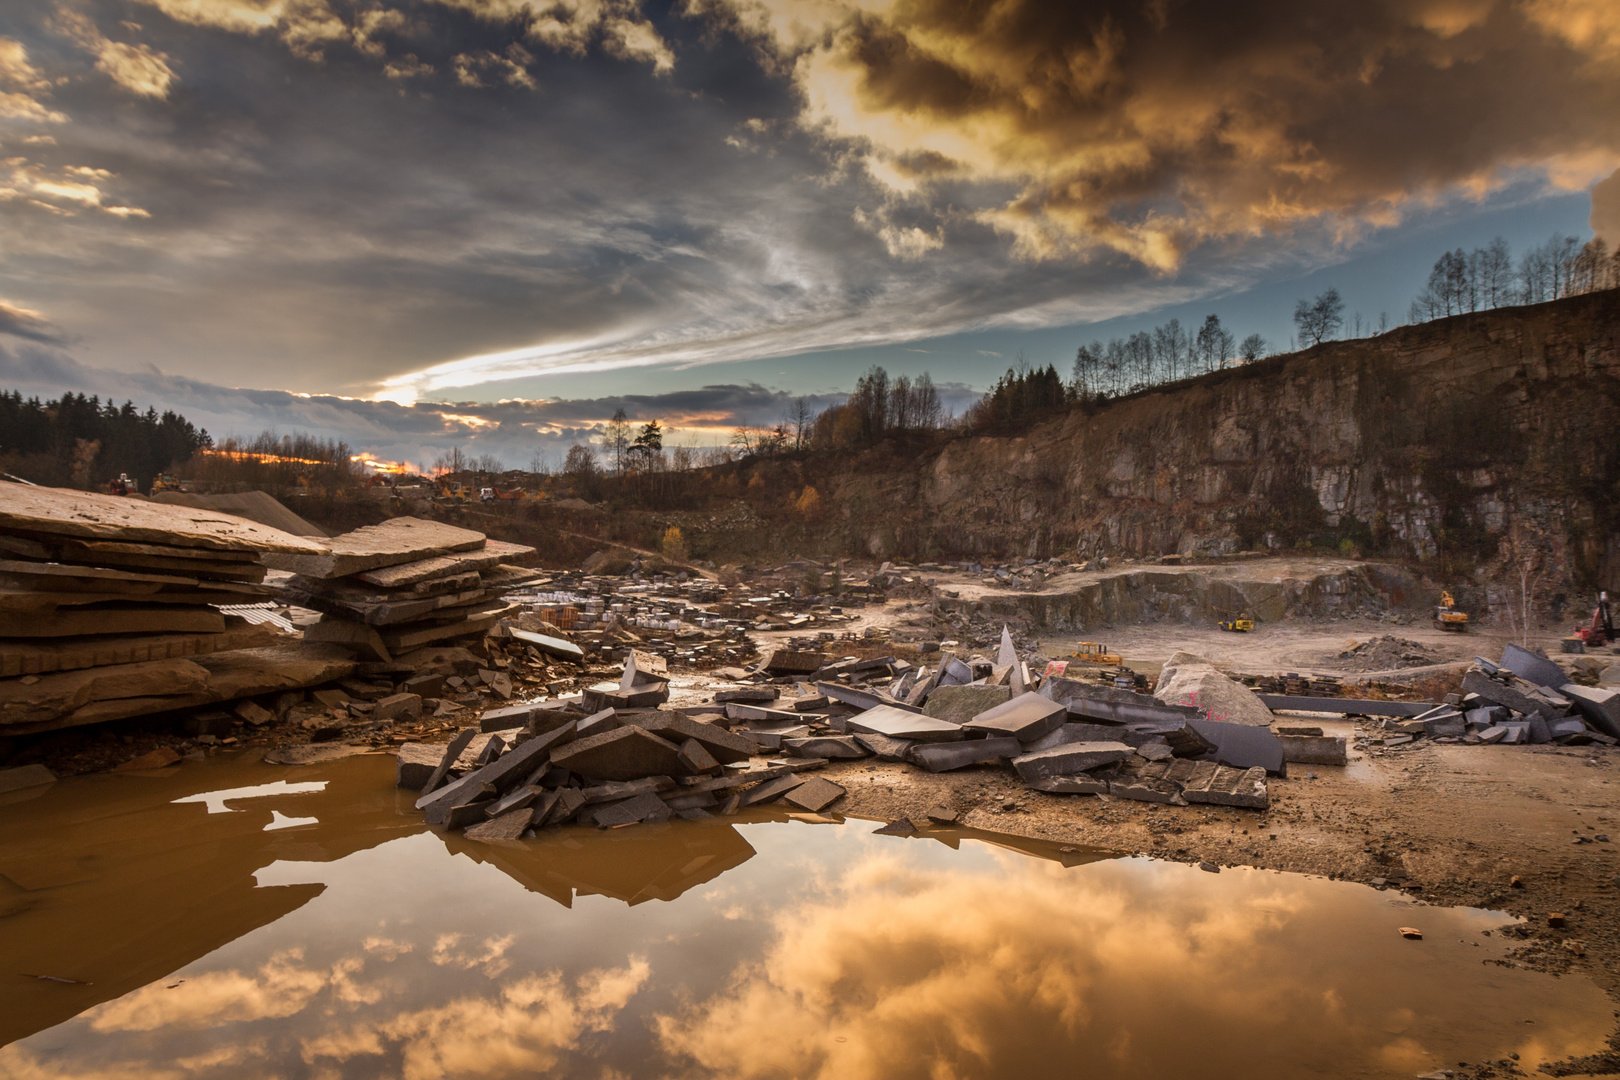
(362, 944)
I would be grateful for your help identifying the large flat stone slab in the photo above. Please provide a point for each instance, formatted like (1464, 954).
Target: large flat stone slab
(1600, 706)
(63, 512)
(1068, 759)
(1026, 718)
(946, 757)
(815, 794)
(724, 745)
(1244, 746)
(391, 543)
(900, 724)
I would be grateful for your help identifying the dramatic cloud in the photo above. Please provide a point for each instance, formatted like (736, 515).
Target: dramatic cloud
(420, 199)
(23, 323)
(1150, 129)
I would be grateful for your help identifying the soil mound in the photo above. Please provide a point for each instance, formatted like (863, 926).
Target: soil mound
(1388, 653)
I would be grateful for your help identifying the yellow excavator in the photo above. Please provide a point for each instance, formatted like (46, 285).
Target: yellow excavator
(1447, 617)
(1240, 625)
(1091, 652)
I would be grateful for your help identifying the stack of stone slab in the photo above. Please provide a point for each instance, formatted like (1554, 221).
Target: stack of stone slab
(109, 608)
(404, 584)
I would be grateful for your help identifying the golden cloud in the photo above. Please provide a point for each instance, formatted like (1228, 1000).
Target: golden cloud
(1148, 130)
(23, 85)
(61, 191)
(571, 26)
(137, 68)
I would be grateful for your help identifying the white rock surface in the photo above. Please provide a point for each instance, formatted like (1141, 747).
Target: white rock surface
(1187, 679)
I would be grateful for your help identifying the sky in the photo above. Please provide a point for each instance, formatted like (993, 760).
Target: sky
(488, 223)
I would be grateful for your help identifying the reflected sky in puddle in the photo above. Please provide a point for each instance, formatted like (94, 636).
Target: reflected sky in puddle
(365, 946)
(216, 800)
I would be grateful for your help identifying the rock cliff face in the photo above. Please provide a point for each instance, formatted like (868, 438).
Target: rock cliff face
(1435, 443)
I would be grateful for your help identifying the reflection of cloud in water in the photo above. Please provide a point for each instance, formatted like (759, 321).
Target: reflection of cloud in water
(522, 1030)
(900, 970)
(282, 987)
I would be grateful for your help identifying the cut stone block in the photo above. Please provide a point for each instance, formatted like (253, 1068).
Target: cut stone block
(900, 724)
(1314, 749)
(1517, 694)
(1493, 734)
(738, 711)
(461, 815)
(626, 753)
(1532, 668)
(825, 746)
(945, 757)
(596, 723)
(747, 695)
(617, 790)
(1025, 718)
(569, 803)
(1068, 759)
(1064, 734)
(415, 764)
(1226, 786)
(397, 707)
(960, 704)
(815, 794)
(790, 662)
(391, 543)
(609, 696)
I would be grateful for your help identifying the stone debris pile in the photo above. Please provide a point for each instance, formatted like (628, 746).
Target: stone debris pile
(1525, 698)
(619, 753)
(110, 608)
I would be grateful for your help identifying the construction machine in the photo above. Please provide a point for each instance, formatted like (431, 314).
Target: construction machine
(1092, 652)
(1600, 631)
(165, 482)
(1447, 617)
(1240, 625)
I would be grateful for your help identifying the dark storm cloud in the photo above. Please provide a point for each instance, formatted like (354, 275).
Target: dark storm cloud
(413, 196)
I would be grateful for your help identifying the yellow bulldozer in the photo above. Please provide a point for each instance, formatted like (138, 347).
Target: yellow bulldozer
(1240, 625)
(1447, 617)
(1091, 652)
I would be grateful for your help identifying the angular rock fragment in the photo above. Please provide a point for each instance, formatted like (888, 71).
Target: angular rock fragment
(415, 764)
(770, 790)
(885, 748)
(959, 704)
(945, 757)
(1083, 784)
(508, 826)
(697, 760)
(625, 753)
(900, 724)
(1068, 759)
(815, 794)
(825, 746)
(1025, 718)
(628, 812)
(726, 746)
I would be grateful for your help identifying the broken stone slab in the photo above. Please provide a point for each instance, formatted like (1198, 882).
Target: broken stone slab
(1073, 732)
(570, 801)
(473, 812)
(735, 711)
(626, 753)
(391, 543)
(770, 790)
(510, 825)
(447, 761)
(1068, 759)
(1571, 727)
(726, 746)
(697, 800)
(1183, 739)
(903, 724)
(551, 646)
(1026, 718)
(814, 795)
(1081, 784)
(747, 695)
(523, 795)
(643, 669)
(1243, 745)
(1155, 750)
(1341, 706)
(1599, 705)
(415, 764)
(1493, 734)
(1314, 749)
(793, 662)
(609, 696)
(861, 699)
(1532, 668)
(942, 815)
(885, 748)
(1187, 679)
(62, 512)
(825, 746)
(960, 704)
(1520, 695)
(641, 808)
(507, 771)
(1226, 786)
(1145, 790)
(815, 703)
(1447, 725)
(945, 757)
(1487, 716)
(25, 776)
(617, 790)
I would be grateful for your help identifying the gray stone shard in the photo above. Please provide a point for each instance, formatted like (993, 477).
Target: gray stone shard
(1532, 668)
(1314, 749)
(1600, 706)
(596, 723)
(628, 812)
(615, 790)
(959, 704)
(451, 752)
(1244, 745)
(815, 794)
(1517, 694)
(825, 746)
(1071, 785)
(944, 757)
(414, 765)
(885, 748)
(770, 790)
(726, 746)
(1069, 759)
(1226, 786)
(697, 759)
(508, 826)
(1144, 790)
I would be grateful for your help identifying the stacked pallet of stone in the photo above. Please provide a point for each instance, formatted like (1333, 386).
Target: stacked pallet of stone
(387, 589)
(109, 607)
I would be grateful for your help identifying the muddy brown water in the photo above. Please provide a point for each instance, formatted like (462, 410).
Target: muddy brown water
(304, 923)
